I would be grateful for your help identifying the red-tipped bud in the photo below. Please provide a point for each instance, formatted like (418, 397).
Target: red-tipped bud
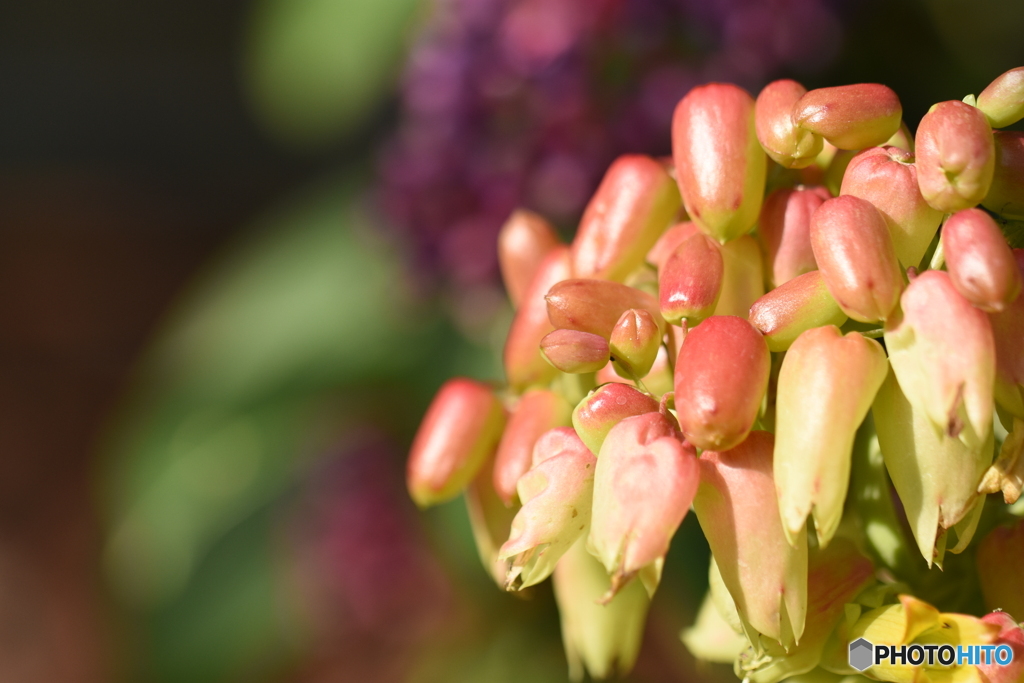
(634, 204)
(721, 377)
(575, 352)
(850, 116)
(1011, 635)
(595, 306)
(720, 165)
(524, 364)
(459, 431)
(887, 177)
(945, 362)
(856, 257)
(955, 156)
(1006, 194)
(739, 514)
(1003, 100)
(668, 242)
(1000, 557)
(524, 241)
(742, 277)
(980, 263)
(1008, 331)
(784, 141)
(785, 230)
(801, 304)
(635, 342)
(645, 482)
(604, 408)
(691, 281)
(538, 411)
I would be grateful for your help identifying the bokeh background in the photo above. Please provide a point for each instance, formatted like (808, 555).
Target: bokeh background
(242, 242)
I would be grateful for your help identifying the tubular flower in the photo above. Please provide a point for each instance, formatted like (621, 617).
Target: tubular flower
(690, 281)
(575, 352)
(538, 411)
(742, 277)
(608, 405)
(595, 306)
(850, 116)
(955, 156)
(525, 239)
(785, 230)
(1003, 100)
(980, 263)
(786, 143)
(788, 311)
(635, 342)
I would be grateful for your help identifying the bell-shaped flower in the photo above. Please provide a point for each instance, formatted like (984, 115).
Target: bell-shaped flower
(955, 156)
(523, 243)
(575, 352)
(825, 388)
(742, 276)
(605, 407)
(690, 281)
(595, 306)
(785, 142)
(789, 310)
(999, 560)
(935, 475)
(556, 494)
(538, 411)
(855, 255)
(1003, 100)
(634, 343)
(720, 166)
(645, 482)
(980, 263)
(850, 116)
(739, 514)
(887, 177)
(459, 432)
(1006, 193)
(721, 377)
(785, 229)
(945, 363)
(636, 201)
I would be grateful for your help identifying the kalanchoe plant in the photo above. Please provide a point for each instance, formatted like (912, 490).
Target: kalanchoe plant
(834, 383)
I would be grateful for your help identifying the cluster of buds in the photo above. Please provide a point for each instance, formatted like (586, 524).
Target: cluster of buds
(807, 327)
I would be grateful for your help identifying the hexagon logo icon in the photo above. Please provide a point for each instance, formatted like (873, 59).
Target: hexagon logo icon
(861, 654)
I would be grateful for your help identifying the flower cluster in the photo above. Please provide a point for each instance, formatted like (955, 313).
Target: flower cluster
(803, 328)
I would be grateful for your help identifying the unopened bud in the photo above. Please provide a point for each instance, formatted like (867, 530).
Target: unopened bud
(525, 239)
(738, 512)
(945, 363)
(645, 482)
(887, 177)
(784, 141)
(575, 352)
(1003, 100)
(635, 341)
(605, 407)
(1006, 194)
(668, 242)
(460, 430)
(742, 276)
(690, 281)
(999, 559)
(856, 257)
(634, 204)
(595, 306)
(955, 156)
(538, 411)
(980, 263)
(785, 229)
(524, 364)
(720, 165)
(801, 304)
(826, 386)
(850, 116)
(720, 379)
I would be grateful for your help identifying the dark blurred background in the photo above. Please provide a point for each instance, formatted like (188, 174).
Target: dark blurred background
(242, 243)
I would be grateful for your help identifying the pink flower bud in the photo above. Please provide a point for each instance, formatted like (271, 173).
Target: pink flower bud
(856, 257)
(720, 165)
(955, 156)
(556, 495)
(1007, 331)
(538, 411)
(524, 241)
(739, 514)
(1003, 100)
(945, 362)
(459, 431)
(999, 559)
(575, 352)
(1006, 194)
(826, 386)
(887, 177)
(850, 116)
(1012, 635)
(691, 281)
(645, 482)
(524, 364)
(784, 141)
(595, 306)
(785, 230)
(634, 204)
(635, 342)
(669, 241)
(605, 407)
(980, 263)
(742, 276)
(786, 312)
(721, 378)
